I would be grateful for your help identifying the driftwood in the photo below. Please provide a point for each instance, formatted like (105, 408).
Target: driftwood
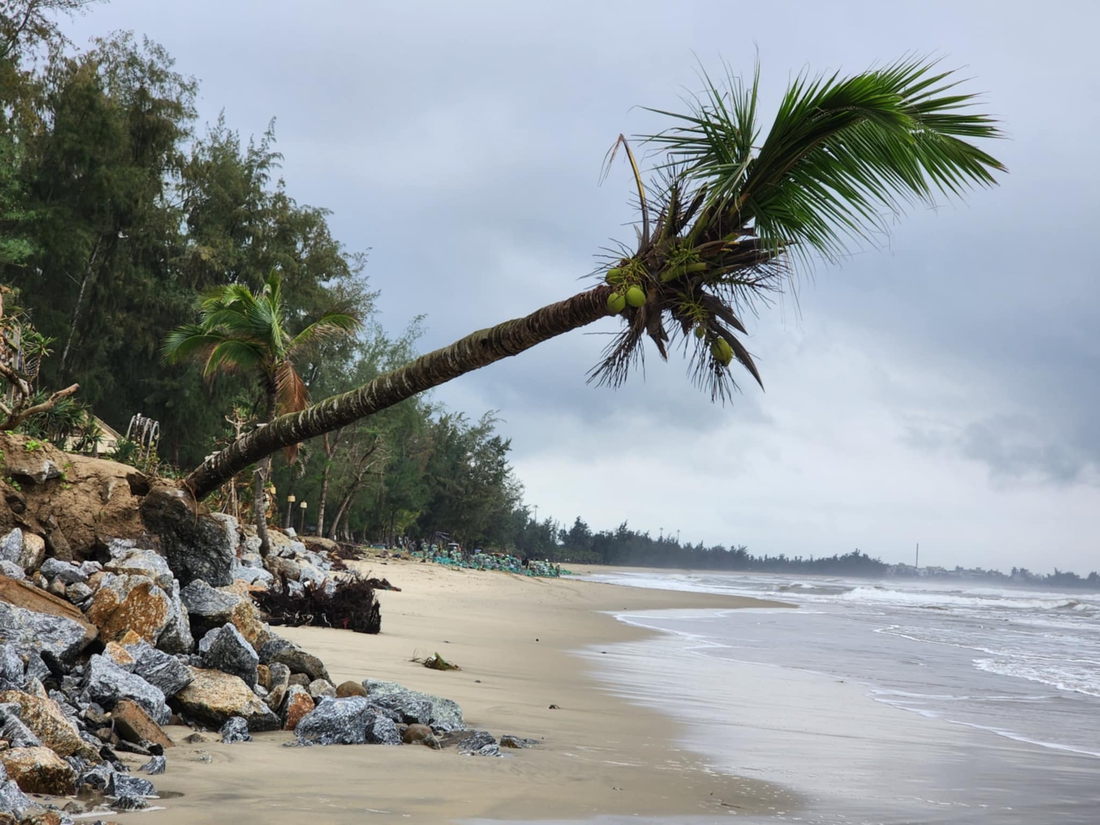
(348, 602)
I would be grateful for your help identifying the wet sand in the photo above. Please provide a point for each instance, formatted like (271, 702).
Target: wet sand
(514, 639)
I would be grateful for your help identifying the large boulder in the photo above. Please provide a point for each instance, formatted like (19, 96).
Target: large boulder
(47, 721)
(208, 607)
(29, 630)
(127, 560)
(11, 545)
(12, 729)
(246, 618)
(279, 675)
(230, 652)
(133, 724)
(442, 715)
(296, 706)
(176, 637)
(107, 684)
(130, 602)
(66, 571)
(12, 800)
(213, 697)
(336, 722)
(198, 545)
(39, 770)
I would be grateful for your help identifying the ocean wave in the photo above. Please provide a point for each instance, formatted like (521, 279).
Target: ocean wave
(1084, 679)
(943, 601)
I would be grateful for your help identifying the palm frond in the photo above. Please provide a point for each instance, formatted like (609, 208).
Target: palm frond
(232, 354)
(333, 324)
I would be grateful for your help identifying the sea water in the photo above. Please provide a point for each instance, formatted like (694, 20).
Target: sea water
(887, 701)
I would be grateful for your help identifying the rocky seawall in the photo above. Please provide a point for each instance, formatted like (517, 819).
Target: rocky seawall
(136, 611)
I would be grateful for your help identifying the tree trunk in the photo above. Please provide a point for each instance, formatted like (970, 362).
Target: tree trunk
(263, 470)
(478, 350)
(330, 451)
(354, 488)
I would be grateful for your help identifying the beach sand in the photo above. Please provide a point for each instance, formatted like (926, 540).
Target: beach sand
(512, 637)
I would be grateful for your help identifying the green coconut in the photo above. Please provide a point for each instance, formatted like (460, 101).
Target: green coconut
(635, 296)
(722, 352)
(700, 331)
(613, 274)
(616, 303)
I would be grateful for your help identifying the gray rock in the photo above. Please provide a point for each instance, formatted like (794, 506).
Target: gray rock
(90, 568)
(28, 630)
(442, 715)
(67, 572)
(321, 688)
(479, 743)
(11, 570)
(13, 800)
(124, 785)
(77, 592)
(205, 642)
(200, 546)
(148, 563)
(381, 730)
(164, 672)
(507, 740)
(37, 670)
(253, 575)
(106, 683)
(11, 666)
(235, 729)
(11, 546)
(13, 730)
(287, 653)
(308, 574)
(204, 602)
(230, 652)
(176, 636)
(158, 764)
(129, 803)
(336, 722)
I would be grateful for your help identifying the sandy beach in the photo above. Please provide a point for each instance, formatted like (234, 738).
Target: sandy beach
(512, 637)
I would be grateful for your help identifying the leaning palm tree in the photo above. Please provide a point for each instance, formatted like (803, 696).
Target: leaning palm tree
(725, 223)
(244, 331)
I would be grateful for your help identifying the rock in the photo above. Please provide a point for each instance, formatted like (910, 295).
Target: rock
(235, 729)
(297, 705)
(320, 689)
(310, 575)
(66, 571)
(442, 715)
(287, 653)
(350, 688)
(120, 656)
(230, 652)
(46, 720)
(263, 677)
(12, 799)
(158, 764)
(107, 684)
(11, 666)
(57, 588)
(158, 668)
(281, 567)
(381, 730)
(26, 595)
(206, 606)
(11, 570)
(77, 592)
(39, 770)
(136, 562)
(336, 722)
(420, 734)
(11, 546)
(194, 739)
(246, 618)
(123, 785)
(301, 680)
(13, 731)
(29, 631)
(479, 743)
(197, 545)
(510, 741)
(176, 637)
(252, 575)
(213, 697)
(130, 602)
(134, 724)
(280, 681)
(34, 552)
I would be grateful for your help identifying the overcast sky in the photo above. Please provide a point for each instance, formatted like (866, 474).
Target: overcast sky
(942, 389)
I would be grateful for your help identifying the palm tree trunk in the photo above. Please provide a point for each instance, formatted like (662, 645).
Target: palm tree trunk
(473, 352)
(259, 481)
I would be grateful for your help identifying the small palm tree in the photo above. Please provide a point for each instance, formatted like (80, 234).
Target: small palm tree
(727, 219)
(244, 331)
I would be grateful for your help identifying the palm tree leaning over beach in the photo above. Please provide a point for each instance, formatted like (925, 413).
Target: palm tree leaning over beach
(240, 330)
(723, 225)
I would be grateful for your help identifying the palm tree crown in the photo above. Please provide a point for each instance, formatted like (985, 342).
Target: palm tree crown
(246, 331)
(730, 212)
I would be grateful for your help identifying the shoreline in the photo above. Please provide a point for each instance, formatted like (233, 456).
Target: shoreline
(516, 640)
